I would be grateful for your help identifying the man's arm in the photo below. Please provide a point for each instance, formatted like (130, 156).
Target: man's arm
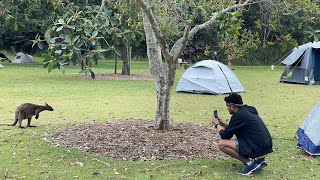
(219, 124)
(222, 122)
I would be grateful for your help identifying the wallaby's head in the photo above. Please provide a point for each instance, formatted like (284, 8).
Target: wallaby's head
(48, 107)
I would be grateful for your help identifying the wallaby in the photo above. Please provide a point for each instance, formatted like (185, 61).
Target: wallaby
(26, 111)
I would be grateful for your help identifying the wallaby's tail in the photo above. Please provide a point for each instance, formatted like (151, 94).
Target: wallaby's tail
(5, 124)
(15, 119)
(14, 123)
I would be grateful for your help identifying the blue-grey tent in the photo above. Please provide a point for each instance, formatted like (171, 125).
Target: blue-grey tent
(303, 65)
(308, 132)
(209, 77)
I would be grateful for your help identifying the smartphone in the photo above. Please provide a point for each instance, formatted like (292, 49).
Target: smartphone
(215, 113)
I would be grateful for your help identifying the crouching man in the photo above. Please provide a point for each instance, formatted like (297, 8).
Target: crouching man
(252, 139)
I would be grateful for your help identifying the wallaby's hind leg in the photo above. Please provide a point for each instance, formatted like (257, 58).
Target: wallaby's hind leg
(20, 118)
(29, 122)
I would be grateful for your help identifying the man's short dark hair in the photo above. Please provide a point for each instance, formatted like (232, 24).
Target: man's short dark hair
(234, 99)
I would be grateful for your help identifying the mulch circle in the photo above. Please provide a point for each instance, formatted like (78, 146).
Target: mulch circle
(138, 140)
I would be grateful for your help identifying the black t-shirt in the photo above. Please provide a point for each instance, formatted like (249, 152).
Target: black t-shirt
(251, 132)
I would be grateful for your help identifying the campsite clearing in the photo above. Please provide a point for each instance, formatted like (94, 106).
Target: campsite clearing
(30, 154)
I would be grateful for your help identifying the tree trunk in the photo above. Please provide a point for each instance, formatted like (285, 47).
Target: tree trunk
(115, 64)
(160, 73)
(126, 58)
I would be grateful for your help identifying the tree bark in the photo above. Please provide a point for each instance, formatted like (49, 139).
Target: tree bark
(126, 58)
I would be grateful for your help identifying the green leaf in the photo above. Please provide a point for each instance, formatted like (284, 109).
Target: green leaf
(70, 54)
(88, 55)
(62, 69)
(58, 52)
(45, 64)
(101, 56)
(40, 45)
(59, 28)
(75, 38)
(102, 50)
(67, 39)
(90, 63)
(55, 66)
(47, 34)
(118, 35)
(95, 33)
(49, 67)
(108, 30)
(16, 27)
(71, 27)
(60, 21)
(46, 56)
(118, 52)
(270, 43)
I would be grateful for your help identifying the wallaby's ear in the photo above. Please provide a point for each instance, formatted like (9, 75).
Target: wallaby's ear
(46, 103)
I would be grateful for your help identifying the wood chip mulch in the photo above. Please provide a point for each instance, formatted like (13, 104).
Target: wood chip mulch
(138, 140)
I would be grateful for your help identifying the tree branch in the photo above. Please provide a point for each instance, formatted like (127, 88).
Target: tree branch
(214, 17)
(155, 27)
(102, 6)
(178, 47)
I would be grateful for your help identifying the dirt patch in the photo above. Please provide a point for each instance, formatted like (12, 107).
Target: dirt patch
(137, 140)
(120, 77)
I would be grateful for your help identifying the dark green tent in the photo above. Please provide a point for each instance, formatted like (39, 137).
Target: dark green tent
(303, 65)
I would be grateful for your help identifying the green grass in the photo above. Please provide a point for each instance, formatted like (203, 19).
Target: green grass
(27, 154)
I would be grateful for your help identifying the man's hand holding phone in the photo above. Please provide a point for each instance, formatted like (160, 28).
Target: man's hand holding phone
(215, 119)
(215, 114)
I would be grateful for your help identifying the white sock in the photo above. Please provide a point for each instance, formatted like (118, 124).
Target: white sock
(249, 163)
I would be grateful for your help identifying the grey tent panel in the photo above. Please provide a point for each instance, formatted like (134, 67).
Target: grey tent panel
(296, 53)
(210, 77)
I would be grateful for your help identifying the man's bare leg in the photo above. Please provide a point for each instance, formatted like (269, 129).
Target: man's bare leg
(228, 146)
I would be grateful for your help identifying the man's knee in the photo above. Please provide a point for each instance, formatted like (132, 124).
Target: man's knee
(221, 145)
(225, 144)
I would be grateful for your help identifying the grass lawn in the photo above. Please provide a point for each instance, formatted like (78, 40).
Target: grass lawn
(28, 154)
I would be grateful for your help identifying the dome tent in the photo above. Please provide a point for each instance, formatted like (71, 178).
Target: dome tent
(209, 77)
(23, 58)
(308, 132)
(303, 65)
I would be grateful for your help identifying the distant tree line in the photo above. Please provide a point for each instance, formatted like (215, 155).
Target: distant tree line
(275, 26)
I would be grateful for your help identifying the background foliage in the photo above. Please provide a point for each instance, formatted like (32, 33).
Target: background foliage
(280, 24)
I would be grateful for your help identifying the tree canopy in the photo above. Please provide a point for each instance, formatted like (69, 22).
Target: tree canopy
(272, 22)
